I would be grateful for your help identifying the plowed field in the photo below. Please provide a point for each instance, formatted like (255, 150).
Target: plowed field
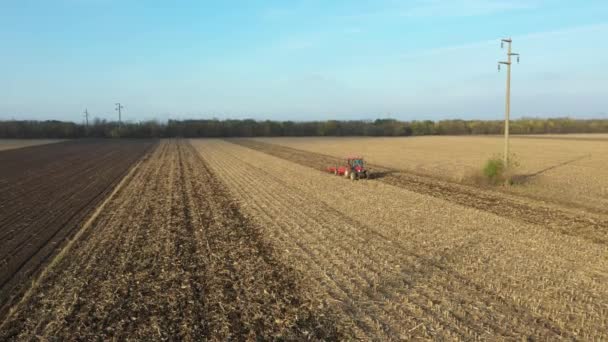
(247, 240)
(45, 192)
(170, 257)
(408, 258)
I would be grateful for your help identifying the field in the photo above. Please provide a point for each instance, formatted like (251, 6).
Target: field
(579, 136)
(9, 144)
(45, 191)
(567, 168)
(247, 239)
(169, 257)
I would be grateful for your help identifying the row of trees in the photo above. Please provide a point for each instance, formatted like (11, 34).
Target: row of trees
(252, 128)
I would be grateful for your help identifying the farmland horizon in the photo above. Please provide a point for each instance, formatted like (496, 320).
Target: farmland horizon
(163, 119)
(250, 128)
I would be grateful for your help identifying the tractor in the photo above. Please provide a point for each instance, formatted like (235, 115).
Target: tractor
(354, 169)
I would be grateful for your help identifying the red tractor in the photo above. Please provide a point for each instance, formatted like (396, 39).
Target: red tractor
(354, 169)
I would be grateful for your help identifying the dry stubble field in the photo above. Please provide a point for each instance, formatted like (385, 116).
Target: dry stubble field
(215, 239)
(403, 264)
(567, 168)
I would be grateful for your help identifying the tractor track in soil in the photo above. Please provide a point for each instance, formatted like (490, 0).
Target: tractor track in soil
(45, 193)
(587, 225)
(171, 257)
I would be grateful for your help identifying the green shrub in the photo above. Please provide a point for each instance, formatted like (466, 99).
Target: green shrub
(494, 170)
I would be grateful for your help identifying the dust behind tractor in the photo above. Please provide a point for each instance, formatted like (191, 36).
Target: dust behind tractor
(353, 169)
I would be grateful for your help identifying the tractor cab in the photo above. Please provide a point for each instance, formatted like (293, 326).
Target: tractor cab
(357, 168)
(356, 164)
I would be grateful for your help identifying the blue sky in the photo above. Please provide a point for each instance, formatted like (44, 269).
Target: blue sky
(300, 59)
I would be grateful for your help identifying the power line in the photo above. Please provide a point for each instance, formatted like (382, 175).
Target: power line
(509, 41)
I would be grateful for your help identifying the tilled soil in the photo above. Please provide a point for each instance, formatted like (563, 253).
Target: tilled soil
(404, 264)
(171, 258)
(45, 193)
(591, 226)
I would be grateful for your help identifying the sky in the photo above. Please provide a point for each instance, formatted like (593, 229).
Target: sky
(301, 59)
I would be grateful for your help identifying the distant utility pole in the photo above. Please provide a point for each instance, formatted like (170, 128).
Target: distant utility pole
(508, 100)
(86, 116)
(119, 108)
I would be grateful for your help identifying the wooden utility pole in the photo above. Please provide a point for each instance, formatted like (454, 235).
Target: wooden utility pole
(508, 98)
(86, 117)
(119, 108)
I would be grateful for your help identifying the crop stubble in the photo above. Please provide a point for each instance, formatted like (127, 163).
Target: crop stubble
(403, 264)
(171, 257)
(45, 192)
(565, 168)
(588, 225)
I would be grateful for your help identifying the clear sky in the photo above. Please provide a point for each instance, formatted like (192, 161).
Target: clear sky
(300, 59)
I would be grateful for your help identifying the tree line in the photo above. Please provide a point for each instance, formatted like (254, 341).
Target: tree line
(54, 129)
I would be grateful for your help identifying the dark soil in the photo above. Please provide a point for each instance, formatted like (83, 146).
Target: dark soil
(45, 193)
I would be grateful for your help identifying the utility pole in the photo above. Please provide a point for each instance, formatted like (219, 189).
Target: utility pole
(119, 108)
(86, 116)
(508, 99)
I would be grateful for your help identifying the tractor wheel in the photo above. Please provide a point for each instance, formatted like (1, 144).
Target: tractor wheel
(353, 176)
(368, 175)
